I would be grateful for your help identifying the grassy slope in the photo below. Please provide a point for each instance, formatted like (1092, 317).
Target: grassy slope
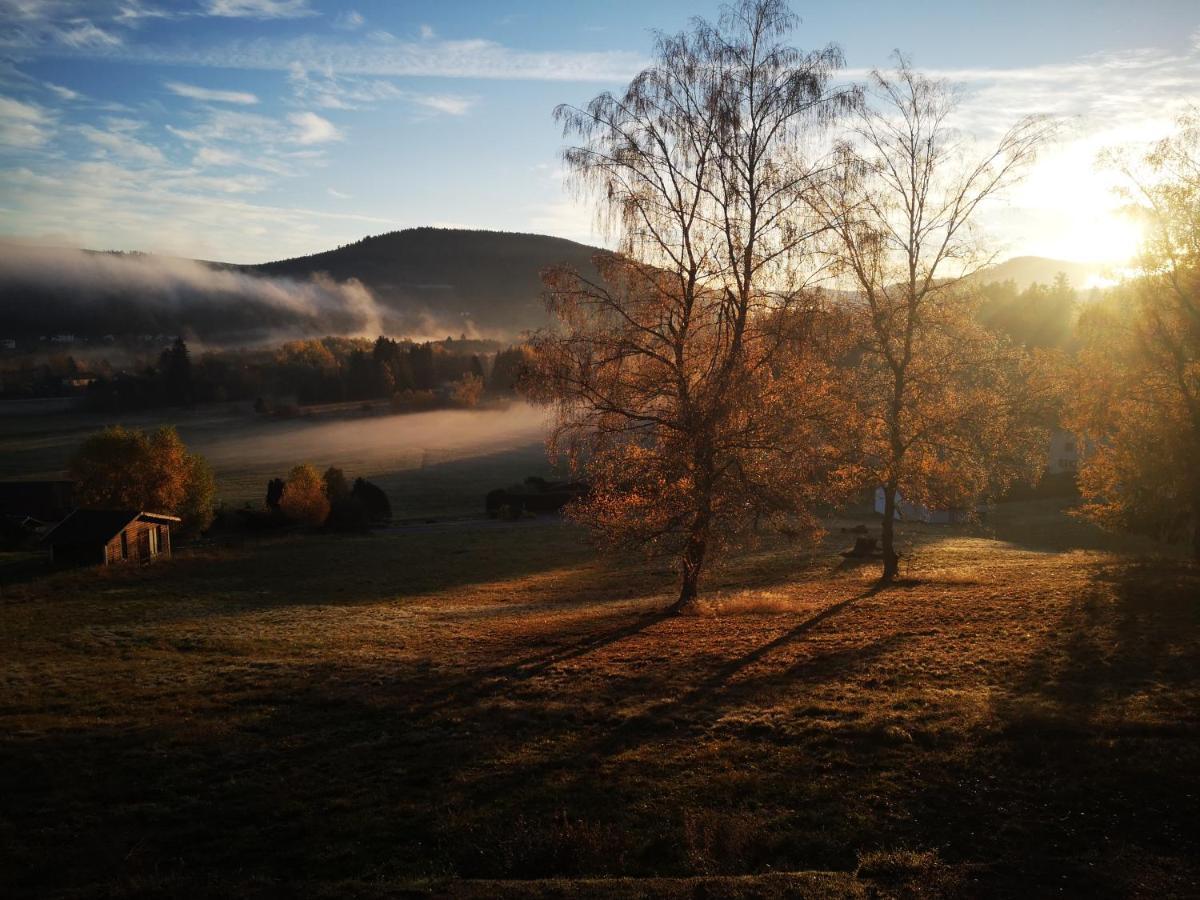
(350, 714)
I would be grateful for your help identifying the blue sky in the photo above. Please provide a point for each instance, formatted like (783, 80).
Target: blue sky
(247, 130)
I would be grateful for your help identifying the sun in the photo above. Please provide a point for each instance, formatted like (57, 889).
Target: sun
(1106, 236)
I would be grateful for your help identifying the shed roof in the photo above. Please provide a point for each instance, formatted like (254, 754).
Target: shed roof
(90, 526)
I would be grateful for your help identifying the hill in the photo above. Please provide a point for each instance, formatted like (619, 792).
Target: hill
(487, 280)
(1027, 270)
(420, 282)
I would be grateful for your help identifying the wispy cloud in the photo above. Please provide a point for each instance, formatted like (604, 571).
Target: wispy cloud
(194, 92)
(118, 141)
(312, 129)
(108, 204)
(375, 54)
(260, 9)
(450, 104)
(24, 125)
(349, 20)
(62, 93)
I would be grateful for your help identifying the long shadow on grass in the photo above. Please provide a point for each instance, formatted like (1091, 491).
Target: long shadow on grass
(328, 773)
(1088, 777)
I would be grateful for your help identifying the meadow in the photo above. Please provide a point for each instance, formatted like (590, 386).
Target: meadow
(492, 710)
(438, 463)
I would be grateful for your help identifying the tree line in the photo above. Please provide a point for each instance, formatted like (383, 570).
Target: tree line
(793, 312)
(330, 369)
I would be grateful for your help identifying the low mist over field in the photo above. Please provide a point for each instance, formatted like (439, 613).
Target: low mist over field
(384, 444)
(51, 289)
(422, 283)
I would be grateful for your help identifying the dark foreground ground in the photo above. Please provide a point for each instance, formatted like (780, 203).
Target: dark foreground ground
(498, 712)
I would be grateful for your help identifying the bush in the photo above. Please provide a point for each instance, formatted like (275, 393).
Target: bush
(348, 514)
(304, 500)
(373, 500)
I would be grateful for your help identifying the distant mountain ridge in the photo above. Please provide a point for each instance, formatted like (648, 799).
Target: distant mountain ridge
(490, 280)
(420, 282)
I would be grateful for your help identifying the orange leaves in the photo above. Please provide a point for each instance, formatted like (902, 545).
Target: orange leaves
(304, 499)
(123, 469)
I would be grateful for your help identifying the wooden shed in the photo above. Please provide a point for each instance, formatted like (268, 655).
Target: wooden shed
(102, 537)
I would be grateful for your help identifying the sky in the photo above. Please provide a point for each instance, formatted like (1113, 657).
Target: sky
(251, 130)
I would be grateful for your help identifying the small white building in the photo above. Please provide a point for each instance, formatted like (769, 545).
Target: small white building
(1064, 453)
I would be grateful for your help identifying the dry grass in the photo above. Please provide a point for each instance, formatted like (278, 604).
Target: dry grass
(438, 710)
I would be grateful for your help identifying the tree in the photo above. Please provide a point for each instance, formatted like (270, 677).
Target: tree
(941, 417)
(274, 492)
(336, 486)
(468, 389)
(304, 499)
(1135, 397)
(155, 472)
(373, 500)
(687, 379)
(176, 365)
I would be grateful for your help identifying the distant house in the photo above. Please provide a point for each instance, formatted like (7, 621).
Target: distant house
(102, 537)
(1064, 453)
(47, 501)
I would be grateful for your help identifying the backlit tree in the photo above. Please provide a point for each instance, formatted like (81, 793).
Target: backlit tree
(944, 413)
(304, 500)
(689, 378)
(1136, 393)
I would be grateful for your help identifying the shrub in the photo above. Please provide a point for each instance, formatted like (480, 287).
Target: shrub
(304, 500)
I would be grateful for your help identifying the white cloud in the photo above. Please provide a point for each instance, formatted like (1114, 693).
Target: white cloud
(427, 33)
(336, 194)
(328, 91)
(24, 125)
(63, 93)
(349, 20)
(118, 142)
(215, 156)
(312, 129)
(260, 9)
(82, 35)
(450, 104)
(376, 54)
(105, 204)
(132, 12)
(242, 98)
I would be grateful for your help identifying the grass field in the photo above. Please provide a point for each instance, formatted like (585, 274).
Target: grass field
(438, 463)
(495, 711)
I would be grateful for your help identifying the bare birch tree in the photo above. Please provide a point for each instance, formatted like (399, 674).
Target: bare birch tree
(687, 379)
(941, 396)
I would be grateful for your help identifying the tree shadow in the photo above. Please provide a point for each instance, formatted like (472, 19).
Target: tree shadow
(1086, 777)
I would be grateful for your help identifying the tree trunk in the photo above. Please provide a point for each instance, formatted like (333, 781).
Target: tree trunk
(1196, 530)
(691, 564)
(891, 561)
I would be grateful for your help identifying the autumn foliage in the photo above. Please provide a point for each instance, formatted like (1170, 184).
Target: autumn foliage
(304, 499)
(1135, 391)
(119, 468)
